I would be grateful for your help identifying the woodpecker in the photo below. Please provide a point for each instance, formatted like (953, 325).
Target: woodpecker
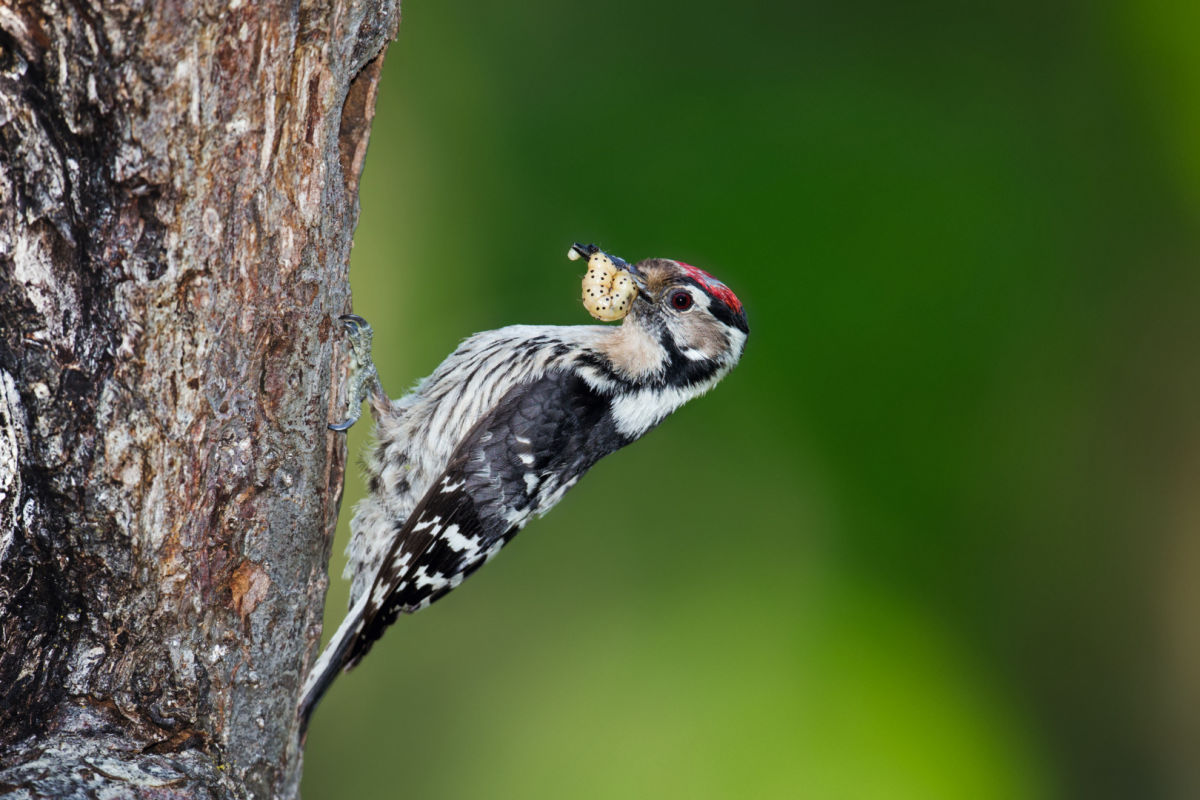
(503, 428)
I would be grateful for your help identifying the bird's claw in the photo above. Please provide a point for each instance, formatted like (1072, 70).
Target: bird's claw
(362, 369)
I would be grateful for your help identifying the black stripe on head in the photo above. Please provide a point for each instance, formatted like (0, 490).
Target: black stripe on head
(726, 315)
(721, 310)
(725, 304)
(684, 371)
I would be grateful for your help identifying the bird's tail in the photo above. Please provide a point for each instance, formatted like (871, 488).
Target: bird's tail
(332, 661)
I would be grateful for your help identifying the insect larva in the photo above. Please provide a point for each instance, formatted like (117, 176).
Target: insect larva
(608, 292)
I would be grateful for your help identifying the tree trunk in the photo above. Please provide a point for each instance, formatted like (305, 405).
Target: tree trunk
(178, 190)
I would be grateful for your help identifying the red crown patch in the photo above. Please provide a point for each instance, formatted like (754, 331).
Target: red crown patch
(714, 287)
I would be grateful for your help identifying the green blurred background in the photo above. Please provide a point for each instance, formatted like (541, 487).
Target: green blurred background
(938, 536)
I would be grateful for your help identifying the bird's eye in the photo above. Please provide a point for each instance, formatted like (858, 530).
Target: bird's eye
(681, 301)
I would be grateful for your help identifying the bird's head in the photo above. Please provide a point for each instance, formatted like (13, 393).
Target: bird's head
(682, 328)
(698, 319)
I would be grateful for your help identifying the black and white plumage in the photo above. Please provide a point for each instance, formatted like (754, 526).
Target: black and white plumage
(503, 428)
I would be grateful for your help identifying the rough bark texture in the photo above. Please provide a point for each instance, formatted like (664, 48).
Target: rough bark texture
(178, 190)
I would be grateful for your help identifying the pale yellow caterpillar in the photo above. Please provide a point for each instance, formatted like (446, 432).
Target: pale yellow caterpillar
(608, 292)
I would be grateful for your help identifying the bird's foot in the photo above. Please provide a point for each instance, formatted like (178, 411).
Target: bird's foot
(363, 377)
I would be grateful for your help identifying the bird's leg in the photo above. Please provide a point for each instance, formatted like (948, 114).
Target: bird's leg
(364, 380)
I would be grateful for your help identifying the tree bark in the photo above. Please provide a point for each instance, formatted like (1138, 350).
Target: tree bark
(178, 191)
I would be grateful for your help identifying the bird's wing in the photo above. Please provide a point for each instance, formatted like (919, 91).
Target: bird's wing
(516, 462)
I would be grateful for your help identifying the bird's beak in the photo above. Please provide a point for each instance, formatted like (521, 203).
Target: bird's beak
(639, 278)
(586, 251)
